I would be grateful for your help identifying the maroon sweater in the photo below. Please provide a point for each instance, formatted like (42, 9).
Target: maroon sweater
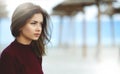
(20, 59)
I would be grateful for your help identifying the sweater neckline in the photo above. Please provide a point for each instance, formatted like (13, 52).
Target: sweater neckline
(21, 45)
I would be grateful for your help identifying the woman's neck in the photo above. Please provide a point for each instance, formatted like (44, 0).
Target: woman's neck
(23, 40)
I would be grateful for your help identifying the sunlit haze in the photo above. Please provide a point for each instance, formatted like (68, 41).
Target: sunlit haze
(46, 4)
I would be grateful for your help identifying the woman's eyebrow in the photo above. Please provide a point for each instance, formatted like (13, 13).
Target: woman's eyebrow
(41, 22)
(34, 21)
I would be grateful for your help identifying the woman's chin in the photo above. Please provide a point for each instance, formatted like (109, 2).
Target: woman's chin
(35, 38)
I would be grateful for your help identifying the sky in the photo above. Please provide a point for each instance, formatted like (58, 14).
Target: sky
(45, 4)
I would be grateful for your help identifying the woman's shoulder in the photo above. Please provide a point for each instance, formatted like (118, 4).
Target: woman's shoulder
(9, 50)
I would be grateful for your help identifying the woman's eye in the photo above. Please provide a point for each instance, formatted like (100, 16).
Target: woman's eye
(32, 23)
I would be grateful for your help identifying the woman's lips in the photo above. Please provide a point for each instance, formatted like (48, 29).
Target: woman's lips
(37, 34)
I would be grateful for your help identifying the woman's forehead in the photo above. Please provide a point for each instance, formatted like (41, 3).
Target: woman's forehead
(36, 17)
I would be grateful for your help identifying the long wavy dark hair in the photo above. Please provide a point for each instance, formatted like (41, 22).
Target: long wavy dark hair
(19, 18)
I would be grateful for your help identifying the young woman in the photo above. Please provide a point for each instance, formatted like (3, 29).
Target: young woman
(30, 28)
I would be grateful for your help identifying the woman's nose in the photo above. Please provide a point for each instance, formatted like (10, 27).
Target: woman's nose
(39, 28)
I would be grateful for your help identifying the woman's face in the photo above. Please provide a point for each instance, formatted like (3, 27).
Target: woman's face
(32, 29)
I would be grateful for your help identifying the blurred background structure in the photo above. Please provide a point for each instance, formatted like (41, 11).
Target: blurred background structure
(3, 14)
(85, 35)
